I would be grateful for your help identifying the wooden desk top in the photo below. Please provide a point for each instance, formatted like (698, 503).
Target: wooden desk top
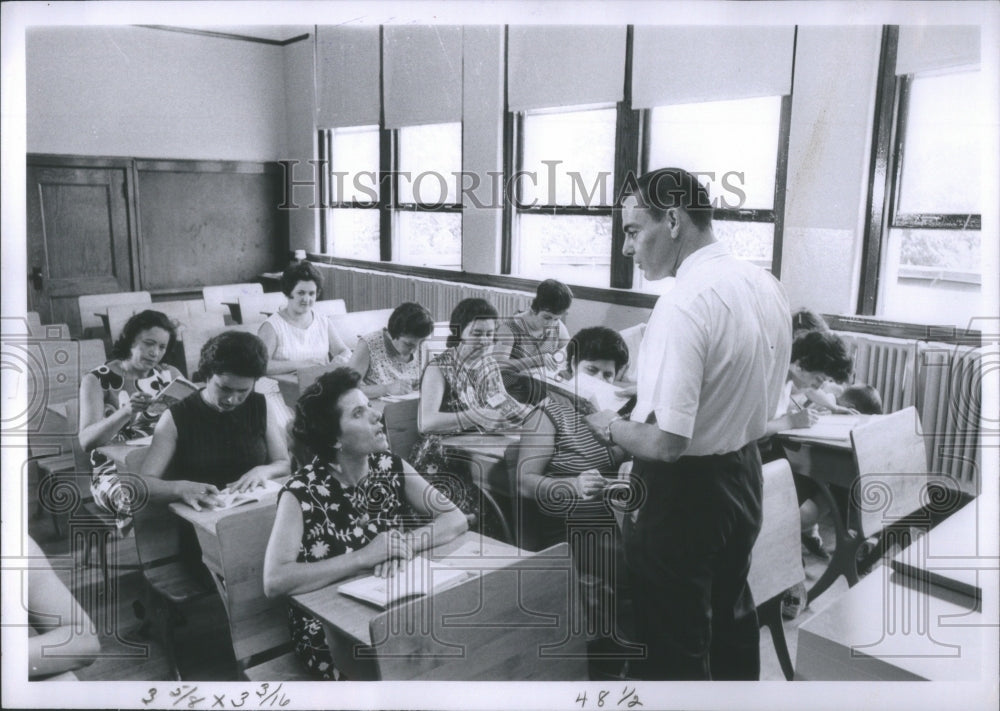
(207, 519)
(491, 445)
(127, 457)
(352, 617)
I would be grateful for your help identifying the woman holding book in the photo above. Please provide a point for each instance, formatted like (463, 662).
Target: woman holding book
(346, 512)
(224, 435)
(115, 402)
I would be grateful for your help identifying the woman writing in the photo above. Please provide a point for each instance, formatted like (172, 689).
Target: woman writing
(345, 512)
(532, 338)
(389, 359)
(223, 436)
(295, 336)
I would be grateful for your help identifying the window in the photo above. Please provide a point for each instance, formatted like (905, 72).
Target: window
(930, 269)
(427, 215)
(735, 150)
(352, 224)
(563, 195)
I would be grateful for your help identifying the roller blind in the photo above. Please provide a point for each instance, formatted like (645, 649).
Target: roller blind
(422, 74)
(679, 65)
(930, 47)
(551, 66)
(347, 66)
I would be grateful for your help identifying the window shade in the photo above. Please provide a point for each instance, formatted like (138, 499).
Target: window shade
(551, 66)
(347, 67)
(679, 65)
(422, 75)
(930, 47)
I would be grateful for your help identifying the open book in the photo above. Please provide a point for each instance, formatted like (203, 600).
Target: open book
(828, 427)
(140, 431)
(420, 577)
(231, 499)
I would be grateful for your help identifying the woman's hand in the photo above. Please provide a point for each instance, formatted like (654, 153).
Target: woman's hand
(139, 401)
(589, 484)
(390, 546)
(196, 495)
(254, 478)
(802, 419)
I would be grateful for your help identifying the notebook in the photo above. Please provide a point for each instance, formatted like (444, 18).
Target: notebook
(420, 577)
(828, 427)
(232, 499)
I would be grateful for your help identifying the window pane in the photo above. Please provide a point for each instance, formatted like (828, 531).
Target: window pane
(432, 155)
(941, 152)
(355, 157)
(580, 149)
(952, 250)
(573, 249)
(753, 241)
(721, 140)
(428, 239)
(354, 233)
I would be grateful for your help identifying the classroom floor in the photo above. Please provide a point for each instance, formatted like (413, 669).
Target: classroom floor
(203, 645)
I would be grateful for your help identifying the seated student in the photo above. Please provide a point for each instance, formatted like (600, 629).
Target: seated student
(805, 320)
(115, 398)
(532, 338)
(296, 336)
(63, 637)
(223, 436)
(861, 399)
(346, 511)
(462, 390)
(389, 359)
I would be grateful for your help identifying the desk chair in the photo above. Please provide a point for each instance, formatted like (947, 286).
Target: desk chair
(90, 304)
(351, 326)
(330, 307)
(511, 624)
(255, 309)
(217, 298)
(776, 562)
(258, 626)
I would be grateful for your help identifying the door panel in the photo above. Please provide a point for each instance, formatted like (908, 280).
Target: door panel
(78, 238)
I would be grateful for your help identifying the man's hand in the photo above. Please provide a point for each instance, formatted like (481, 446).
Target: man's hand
(599, 421)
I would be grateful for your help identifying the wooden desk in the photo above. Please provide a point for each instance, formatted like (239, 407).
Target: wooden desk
(127, 457)
(234, 310)
(455, 633)
(895, 627)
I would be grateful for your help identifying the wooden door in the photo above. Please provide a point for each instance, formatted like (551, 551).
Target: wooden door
(79, 236)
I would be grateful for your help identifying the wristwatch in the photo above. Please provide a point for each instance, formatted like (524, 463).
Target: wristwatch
(607, 428)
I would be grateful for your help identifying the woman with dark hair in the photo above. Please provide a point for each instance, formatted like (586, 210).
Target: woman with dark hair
(115, 398)
(346, 511)
(295, 336)
(389, 359)
(532, 338)
(223, 436)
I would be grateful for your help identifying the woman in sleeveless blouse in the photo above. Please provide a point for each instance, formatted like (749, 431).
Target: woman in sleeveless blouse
(346, 513)
(296, 336)
(389, 359)
(115, 403)
(534, 338)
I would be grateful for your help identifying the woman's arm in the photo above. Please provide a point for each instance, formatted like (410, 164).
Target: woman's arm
(448, 520)
(161, 452)
(338, 349)
(95, 428)
(65, 640)
(361, 362)
(284, 575)
(429, 415)
(279, 463)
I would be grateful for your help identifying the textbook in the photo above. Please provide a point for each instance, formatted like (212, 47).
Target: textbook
(231, 499)
(145, 419)
(419, 577)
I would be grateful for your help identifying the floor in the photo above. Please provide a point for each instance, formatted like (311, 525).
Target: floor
(202, 638)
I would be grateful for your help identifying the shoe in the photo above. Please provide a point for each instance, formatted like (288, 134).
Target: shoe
(814, 544)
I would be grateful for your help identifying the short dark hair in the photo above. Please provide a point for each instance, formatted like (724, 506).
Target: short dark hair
(235, 352)
(823, 352)
(303, 271)
(410, 319)
(863, 398)
(552, 296)
(317, 413)
(806, 320)
(598, 343)
(467, 311)
(142, 321)
(666, 188)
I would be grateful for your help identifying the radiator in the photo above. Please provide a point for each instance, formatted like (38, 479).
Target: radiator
(365, 289)
(887, 364)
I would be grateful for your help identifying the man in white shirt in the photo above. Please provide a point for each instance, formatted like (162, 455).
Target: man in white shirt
(711, 367)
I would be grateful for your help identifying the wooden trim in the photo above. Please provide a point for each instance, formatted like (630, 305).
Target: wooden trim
(206, 166)
(135, 238)
(879, 172)
(930, 221)
(227, 35)
(628, 128)
(911, 331)
(58, 160)
(580, 211)
(763, 216)
(507, 166)
(588, 293)
(386, 160)
(781, 173)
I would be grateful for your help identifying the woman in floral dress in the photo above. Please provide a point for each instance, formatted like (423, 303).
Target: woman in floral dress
(354, 509)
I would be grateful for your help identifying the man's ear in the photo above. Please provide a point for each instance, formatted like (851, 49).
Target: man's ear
(673, 218)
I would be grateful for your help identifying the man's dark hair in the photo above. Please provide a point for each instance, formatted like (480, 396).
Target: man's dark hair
(823, 352)
(665, 188)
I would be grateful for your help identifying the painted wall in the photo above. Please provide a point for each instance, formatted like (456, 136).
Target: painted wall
(300, 142)
(134, 91)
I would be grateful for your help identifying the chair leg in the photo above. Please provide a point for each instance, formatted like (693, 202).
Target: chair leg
(165, 633)
(770, 614)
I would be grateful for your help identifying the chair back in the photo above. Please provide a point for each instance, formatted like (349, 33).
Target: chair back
(351, 326)
(92, 355)
(179, 311)
(91, 304)
(891, 463)
(776, 562)
(256, 308)
(516, 623)
(401, 426)
(196, 337)
(257, 624)
(330, 307)
(218, 298)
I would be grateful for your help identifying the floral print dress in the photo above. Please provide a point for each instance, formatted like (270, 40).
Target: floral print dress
(338, 519)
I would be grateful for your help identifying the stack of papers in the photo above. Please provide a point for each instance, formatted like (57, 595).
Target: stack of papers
(828, 427)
